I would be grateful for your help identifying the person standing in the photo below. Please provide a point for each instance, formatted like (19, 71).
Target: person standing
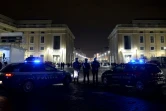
(95, 67)
(1, 65)
(76, 67)
(86, 68)
(63, 65)
(5, 61)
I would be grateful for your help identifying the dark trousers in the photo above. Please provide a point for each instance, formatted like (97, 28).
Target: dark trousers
(62, 67)
(86, 74)
(95, 76)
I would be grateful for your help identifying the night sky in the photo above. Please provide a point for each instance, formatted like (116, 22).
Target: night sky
(91, 21)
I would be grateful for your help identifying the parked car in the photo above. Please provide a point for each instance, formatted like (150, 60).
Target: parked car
(31, 75)
(139, 76)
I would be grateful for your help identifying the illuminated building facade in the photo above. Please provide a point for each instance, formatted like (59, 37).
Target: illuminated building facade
(42, 38)
(142, 38)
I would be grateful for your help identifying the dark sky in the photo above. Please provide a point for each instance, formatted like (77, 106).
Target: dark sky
(91, 21)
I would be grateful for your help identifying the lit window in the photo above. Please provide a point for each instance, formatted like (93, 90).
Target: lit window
(41, 48)
(42, 39)
(151, 39)
(151, 48)
(162, 48)
(32, 39)
(141, 48)
(31, 48)
(141, 39)
(162, 39)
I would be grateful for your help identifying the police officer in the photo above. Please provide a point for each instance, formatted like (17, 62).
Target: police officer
(86, 68)
(76, 67)
(95, 67)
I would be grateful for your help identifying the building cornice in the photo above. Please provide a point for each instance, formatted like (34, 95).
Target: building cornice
(7, 26)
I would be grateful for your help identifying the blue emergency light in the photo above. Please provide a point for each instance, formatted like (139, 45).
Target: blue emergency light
(36, 61)
(140, 61)
(133, 61)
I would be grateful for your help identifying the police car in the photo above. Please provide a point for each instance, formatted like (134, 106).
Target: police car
(31, 75)
(138, 75)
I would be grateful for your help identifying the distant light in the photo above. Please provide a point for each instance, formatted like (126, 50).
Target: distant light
(25, 61)
(37, 61)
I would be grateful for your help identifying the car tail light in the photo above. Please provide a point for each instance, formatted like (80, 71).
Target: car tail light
(8, 75)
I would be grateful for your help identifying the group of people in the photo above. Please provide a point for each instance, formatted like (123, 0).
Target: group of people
(94, 67)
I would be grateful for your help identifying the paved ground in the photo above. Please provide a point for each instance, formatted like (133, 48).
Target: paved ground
(80, 97)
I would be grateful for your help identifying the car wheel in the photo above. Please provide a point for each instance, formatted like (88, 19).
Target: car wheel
(139, 86)
(28, 86)
(105, 81)
(66, 81)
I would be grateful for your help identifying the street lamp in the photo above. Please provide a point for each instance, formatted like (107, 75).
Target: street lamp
(62, 53)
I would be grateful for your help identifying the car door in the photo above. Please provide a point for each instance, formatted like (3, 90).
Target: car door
(52, 73)
(117, 74)
(128, 75)
(36, 73)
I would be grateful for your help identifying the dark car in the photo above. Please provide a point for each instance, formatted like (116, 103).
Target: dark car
(155, 62)
(139, 76)
(28, 76)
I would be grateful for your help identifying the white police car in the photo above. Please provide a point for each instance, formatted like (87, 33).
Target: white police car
(31, 75)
